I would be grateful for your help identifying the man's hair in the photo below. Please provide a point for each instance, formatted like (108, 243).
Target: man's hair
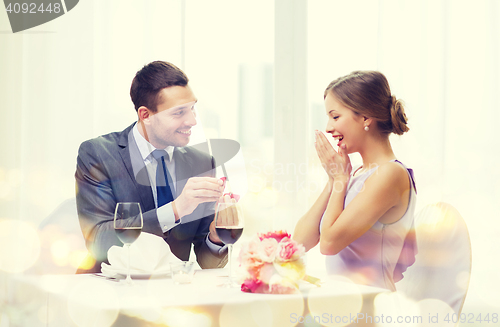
(151, 79)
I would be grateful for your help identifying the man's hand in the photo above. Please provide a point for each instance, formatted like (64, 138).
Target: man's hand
(197, 190)
(226, 216)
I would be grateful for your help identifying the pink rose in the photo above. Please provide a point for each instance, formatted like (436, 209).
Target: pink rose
(267, 271)
(267, 249)
(253, 286)
(250, 257)
(289, 250)
(278, 236)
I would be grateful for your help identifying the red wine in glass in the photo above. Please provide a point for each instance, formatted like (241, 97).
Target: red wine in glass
(229, 227)
(229, 234)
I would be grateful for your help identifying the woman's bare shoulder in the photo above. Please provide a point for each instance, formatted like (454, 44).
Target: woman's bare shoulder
(390, 174)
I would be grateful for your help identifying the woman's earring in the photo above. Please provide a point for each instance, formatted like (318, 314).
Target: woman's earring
(367, 128)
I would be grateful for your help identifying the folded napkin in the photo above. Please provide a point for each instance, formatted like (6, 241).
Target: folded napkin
(149, 254)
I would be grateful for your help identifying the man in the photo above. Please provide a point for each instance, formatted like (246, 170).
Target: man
(127, 167)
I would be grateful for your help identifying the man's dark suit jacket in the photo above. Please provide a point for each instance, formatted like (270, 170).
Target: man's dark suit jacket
(110, 169)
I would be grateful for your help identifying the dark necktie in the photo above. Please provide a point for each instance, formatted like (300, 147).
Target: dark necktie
(163, 192)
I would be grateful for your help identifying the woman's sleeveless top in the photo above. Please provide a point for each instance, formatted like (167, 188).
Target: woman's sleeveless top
(382, 254)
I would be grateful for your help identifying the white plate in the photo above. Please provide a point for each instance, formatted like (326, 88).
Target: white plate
(111, 271)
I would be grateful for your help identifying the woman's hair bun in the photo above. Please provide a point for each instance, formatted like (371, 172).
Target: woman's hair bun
(398, 117)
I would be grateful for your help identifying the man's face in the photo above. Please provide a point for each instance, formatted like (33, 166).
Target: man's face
(171, 124)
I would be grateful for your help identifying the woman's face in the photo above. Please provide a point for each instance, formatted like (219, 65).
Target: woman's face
(343, 124)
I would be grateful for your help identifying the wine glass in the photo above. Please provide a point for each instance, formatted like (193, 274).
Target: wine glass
(128, 226)
(229, 227)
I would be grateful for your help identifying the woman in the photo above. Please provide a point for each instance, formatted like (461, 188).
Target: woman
(362, 220)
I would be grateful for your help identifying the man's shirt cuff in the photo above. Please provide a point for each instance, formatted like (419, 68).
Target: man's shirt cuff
(166, 217)
(214, 248)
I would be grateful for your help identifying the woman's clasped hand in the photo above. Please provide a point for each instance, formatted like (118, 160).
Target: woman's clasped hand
(336, 164)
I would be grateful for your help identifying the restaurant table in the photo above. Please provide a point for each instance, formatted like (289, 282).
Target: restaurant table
(90, 300)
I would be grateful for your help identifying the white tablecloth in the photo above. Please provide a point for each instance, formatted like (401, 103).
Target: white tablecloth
(88, 300)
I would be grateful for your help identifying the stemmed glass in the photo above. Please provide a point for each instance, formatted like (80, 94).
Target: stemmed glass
(229, 226)
(128, 226)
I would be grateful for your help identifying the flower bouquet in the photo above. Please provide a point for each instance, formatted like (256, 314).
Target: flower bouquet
(273, 263)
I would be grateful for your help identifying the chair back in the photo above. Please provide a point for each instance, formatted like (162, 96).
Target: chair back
(443, 263)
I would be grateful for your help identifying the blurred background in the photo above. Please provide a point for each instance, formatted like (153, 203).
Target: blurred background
(259, 70)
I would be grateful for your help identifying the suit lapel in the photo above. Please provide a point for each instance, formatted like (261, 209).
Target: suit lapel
(136, 169)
